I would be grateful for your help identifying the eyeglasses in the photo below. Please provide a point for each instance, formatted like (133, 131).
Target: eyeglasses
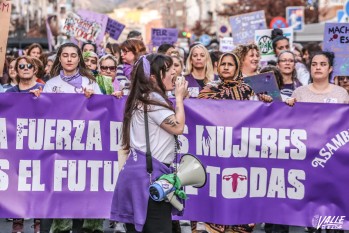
(286, 60)
(343, 78)
(124, 51)
(111, 68)
(22, 66)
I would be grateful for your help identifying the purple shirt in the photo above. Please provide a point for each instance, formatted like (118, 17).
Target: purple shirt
(16, 88)
(194, 85)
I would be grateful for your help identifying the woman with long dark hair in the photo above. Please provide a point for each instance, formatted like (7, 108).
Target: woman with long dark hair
(70, 74)
(321, 90)
(12, 74)
(148, 102)
(286, 63)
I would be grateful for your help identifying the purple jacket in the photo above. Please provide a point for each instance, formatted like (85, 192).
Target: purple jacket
(130, 200)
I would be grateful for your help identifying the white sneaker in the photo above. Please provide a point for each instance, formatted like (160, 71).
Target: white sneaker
(200, 226)
(120, 227)
(184, 222)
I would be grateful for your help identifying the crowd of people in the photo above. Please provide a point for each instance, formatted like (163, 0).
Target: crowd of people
(303, 74)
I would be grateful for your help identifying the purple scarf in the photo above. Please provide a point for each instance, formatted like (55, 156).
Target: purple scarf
(128, 70)
(74, 80)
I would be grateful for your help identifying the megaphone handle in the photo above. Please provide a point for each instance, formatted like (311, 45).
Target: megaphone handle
(174, 201)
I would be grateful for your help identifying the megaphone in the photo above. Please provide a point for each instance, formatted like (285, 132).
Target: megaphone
(190, 172)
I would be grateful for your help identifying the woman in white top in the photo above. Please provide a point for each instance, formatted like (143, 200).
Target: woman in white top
(152, 77)
(70, 74)
(321, 90)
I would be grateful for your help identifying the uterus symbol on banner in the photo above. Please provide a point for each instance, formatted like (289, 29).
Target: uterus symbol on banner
(235, 178)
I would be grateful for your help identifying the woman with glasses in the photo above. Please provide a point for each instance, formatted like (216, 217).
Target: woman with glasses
(282, 43)
(286, 64)
(26, 78)
(22, 71)
(104, 82)
(107, 67)
(131, 50)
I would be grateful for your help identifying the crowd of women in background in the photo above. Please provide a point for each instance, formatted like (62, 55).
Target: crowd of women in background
(303, 74)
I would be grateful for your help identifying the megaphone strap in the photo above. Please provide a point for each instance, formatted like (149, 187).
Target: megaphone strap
(148, 152)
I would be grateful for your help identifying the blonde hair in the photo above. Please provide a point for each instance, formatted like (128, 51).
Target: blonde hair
(209, 74)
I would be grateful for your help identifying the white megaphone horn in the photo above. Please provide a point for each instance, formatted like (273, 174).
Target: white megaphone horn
(190, 172)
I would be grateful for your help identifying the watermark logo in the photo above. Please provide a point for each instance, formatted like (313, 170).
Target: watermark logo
(328, 222)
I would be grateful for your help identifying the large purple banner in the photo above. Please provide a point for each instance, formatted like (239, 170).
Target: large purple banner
(58, 154)
(265, 162)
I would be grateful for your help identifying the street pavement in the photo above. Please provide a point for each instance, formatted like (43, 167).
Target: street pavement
(6, 227)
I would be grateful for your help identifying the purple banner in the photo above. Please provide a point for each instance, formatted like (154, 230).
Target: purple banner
(265, 162)
(114, 28)
(161, 36)
(58, 154)
(336, 39)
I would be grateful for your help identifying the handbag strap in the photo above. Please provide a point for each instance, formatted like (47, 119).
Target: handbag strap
(148, 152)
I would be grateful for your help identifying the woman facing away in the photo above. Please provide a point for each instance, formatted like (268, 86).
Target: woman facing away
(151, 79)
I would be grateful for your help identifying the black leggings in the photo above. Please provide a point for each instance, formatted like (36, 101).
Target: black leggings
(159, 218)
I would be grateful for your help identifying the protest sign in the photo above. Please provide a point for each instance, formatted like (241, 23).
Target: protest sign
(5, 13)
(114, 28)
(62, 158)
(86, 26)
(295, 17)
(265, 43)
(161, 36)
(264, 83)
(226, 44)
(244, 26)
(336, 40)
